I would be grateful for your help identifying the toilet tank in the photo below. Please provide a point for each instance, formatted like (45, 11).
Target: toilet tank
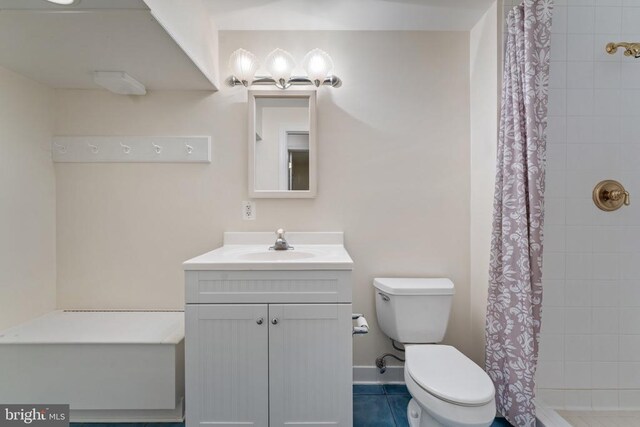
(414, 311)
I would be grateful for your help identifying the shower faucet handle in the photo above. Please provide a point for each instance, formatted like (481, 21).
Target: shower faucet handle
(610, 195)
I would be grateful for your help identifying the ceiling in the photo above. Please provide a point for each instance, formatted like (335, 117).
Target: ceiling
(440, 15)
(62, 46)
(81, 5)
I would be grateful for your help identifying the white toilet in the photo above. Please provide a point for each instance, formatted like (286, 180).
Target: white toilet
(448, 389)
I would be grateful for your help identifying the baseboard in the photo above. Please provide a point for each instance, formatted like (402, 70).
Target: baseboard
(371, 375)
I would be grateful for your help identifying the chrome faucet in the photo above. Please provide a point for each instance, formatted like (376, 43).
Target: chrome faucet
(281, 243)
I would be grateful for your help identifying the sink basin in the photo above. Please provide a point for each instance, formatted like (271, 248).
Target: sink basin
(250, 251)
(276, 255)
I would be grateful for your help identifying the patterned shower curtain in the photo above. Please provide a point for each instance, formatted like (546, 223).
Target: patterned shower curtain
(515, 287)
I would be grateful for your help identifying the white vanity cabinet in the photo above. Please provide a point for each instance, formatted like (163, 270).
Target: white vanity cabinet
(268, 364)
(310, 364)
(268, 347)
(227, 368)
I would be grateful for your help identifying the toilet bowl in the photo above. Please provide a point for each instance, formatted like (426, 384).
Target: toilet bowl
(448, 389)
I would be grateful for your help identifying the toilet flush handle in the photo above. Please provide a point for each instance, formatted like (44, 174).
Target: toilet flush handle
(384, 297)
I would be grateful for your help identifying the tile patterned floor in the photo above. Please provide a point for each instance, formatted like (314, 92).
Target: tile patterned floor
(602, 418)
(386, 406)
(373, 406)
(380, 405)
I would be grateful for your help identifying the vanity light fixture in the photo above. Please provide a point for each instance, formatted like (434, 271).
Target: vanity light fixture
(318, 65)
(243, 65)
(280, 64)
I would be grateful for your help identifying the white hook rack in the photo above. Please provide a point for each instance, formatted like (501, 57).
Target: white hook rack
(158, 149)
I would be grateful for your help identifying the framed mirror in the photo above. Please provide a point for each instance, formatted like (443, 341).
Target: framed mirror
(282, 144)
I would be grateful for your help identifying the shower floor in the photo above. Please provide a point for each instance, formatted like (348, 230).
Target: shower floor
(602, 418)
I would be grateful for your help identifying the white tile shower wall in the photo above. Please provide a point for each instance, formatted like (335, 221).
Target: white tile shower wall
(590, 345)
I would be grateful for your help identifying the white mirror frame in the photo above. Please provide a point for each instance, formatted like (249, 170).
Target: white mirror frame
(313, 150)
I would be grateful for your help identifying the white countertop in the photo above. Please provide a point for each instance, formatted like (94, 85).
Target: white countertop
(250, 251)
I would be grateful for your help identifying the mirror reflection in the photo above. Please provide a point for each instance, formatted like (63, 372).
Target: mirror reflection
(281, 144)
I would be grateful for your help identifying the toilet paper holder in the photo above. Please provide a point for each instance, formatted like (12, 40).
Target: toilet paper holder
(362, 327)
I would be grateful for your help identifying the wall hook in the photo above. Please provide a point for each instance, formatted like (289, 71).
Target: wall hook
(61, 148)
(94, 148)
(125, 148)
(157, 148)
(189, 148)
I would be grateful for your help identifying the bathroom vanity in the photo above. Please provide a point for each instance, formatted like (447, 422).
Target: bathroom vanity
(268, 333)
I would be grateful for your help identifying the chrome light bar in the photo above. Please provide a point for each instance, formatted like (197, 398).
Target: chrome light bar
(333, 81)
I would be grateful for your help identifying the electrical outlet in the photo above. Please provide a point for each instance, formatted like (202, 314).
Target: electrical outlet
(248, 210)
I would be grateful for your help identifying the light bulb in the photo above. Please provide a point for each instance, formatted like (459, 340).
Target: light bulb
(280, 65)
(63, 2)
(243, 65)
(318, 64)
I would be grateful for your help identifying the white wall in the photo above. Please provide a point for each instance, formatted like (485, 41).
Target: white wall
(27, 200)
(590, 349)
(485, 106)
(393, 174)
(189, 25)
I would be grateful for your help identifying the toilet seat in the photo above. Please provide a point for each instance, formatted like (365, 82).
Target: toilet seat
(448, 375)
(431, 411)
(447, 387)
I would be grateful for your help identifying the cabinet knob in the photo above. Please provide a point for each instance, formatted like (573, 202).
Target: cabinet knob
(274, 321)
(260, 321)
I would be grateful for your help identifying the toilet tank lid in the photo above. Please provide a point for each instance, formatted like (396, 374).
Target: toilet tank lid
(414, 286)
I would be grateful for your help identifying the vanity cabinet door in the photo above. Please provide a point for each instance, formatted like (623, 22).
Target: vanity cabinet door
(310, 361)
(227, 365)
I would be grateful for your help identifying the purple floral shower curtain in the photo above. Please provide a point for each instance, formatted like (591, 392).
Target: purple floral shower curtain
(515, 287)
